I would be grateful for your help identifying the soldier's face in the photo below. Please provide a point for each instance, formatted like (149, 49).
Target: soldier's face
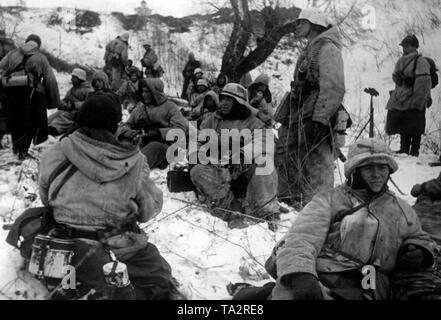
(408, 49)
(98, 84)
(75, 81)
(147, 96)
(133, 77)
(303, 28)
(375, 176)
(226, 105)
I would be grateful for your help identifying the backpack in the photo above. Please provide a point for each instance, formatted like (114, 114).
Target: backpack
(433, 71)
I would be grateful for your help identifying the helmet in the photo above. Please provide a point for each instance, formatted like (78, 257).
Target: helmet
(198, 70)
(315, 16)
(236, 91)
(125, 36)
(410, 40)
(80, 74)
(133, 70)
(369, 151)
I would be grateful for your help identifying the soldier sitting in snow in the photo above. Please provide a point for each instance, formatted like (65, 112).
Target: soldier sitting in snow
(355, 225)
(233, 186)
(129, 91)
(65, 119)
(105, 191)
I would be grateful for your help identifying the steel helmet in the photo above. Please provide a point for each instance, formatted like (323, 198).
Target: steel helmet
(236, 91)
(198, 70)
(315, 16)
(80, 74)
(369, 151)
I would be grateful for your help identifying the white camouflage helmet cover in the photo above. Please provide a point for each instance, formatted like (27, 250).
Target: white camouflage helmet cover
(80, 74)
(315, 16)
(236, 91)
(369, 151)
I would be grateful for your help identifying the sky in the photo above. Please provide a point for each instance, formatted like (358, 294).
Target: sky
(177, 8)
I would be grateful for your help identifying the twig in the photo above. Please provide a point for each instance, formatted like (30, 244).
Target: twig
(223, 238)
(229, 211)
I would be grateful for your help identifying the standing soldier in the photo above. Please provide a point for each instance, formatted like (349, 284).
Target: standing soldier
(190, 67)
(304, 156)
(117, 58)
(30, 86)
(6, 45)
(150, 62)
(408, 102)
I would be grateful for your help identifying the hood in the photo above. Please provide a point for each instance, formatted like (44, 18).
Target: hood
(220, 76)
(263, 78)
(332, 34)
(102, 160)
(214, 96)
(156, 86)
(101, 75)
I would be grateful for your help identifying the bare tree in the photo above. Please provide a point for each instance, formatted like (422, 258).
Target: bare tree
(238, 59)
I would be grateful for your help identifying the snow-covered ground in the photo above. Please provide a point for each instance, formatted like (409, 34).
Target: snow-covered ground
(204, 254)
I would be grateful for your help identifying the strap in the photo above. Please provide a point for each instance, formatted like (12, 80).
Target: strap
(68, 175)
(342, 214)
(58, 170)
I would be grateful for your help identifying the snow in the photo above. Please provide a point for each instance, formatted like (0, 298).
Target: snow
(204, 254)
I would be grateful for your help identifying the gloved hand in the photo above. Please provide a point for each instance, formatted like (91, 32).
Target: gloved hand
(305, 286)
(320, 132)
(65, 106)
(151, 136)
(417, 190)
(411, 259)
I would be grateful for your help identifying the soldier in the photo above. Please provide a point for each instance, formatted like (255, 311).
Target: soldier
(150, 62)
(150, 122)
(304, 156)
(116, 59)
(343, 230)
(408, 102)
(7, 45)
(235, 186)
(30, 87)
(65, 119)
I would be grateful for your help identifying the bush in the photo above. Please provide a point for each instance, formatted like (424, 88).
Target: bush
(63, 66)
(87, 19)
(54, 20)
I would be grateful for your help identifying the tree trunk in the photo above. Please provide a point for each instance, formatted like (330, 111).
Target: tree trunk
(234, 62)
